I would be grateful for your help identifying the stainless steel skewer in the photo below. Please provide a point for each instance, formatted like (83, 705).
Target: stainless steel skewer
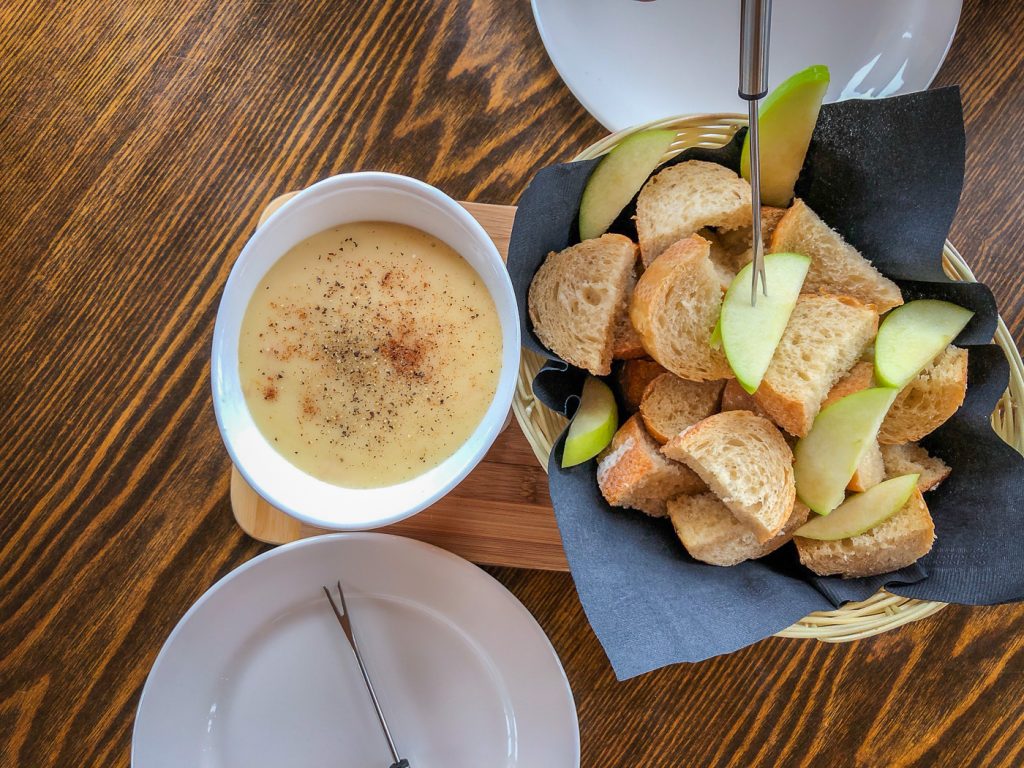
(346, 626)
(755, 25)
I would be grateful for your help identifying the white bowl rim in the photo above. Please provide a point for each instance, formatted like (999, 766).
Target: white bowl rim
(483, 436)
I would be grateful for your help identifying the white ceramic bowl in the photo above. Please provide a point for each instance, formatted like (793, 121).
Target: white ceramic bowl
(341, 200)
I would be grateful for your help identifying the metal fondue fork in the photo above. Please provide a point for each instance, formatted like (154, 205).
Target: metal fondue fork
(755, 24)
(347, 628)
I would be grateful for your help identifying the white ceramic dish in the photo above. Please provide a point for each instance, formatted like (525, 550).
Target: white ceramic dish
(258, 672)
(340, 200)
(633, 62)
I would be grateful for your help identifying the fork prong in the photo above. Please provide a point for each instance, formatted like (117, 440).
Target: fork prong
(341, 593)
(334, 606)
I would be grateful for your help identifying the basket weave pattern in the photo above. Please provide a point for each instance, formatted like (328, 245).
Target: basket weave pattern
(853, 621)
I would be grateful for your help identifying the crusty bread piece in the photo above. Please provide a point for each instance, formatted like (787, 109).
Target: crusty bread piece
(738, 243)
(870, 472)
(626, 342)
(576, 297)
(928, 400)
(736, 398)
(836, 266)
(826, 335)
(721, 259)
(712, 534)
(861, 376)
(911, 459)
(746, 463)
(632, 472)
(633, 378)
(670, 404)
(675, 308)
(682, 198)
(901, 540)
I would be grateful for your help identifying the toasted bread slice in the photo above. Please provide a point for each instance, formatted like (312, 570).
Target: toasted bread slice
(826, 335)
(633, 377)
(670, 404)
(576, 297)
(683, 198)
(836, 266)
(911, 459)
(721, 259)
(675, 308)
(736, 398)
(861, 376)
(626, 342)
(870, 472)
(633, 473)
(928, 401)
(746, 463)
(712, 534)
(900, 541)
(738, 243)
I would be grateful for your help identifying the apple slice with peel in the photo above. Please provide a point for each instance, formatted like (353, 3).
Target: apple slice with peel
(786, 120)
(912, 335)
(840, 436)
(750, 333)
(594, 424)
(618, 177)
(862, 511)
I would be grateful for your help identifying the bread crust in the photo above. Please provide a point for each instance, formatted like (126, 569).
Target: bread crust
(900, 541)
(684, 271)
(725, 450)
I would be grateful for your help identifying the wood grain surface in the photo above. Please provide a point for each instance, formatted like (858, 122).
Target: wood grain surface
(138, 143)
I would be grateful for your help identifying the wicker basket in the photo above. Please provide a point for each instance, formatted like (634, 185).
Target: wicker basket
(883, 611)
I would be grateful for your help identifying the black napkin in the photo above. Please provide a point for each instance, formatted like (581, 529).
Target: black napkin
(887, 175)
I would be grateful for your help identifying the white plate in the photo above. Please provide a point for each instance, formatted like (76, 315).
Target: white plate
(632, 62)
(258, 672)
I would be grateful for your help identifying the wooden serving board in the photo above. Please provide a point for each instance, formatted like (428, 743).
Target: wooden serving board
(499, 515)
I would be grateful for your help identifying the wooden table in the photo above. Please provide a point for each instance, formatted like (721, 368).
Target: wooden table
(138, 143)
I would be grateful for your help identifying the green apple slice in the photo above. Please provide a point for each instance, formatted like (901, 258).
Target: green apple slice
(840, 436)
(912, 335)
(594, 424)
(618, 177)
(862, 511)
(750, 334)
(715, 341)
(786, 121)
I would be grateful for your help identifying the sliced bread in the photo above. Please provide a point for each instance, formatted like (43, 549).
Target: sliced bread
(721, 259)
(746, 463)
(870, 472)
(738, 243)
(683, 198)
(736, 398)
(713, 535)
(861, 376)
(633, 378)
(670, 404)
(825, 337)
(675, 308)
(898, 542)
(910, 459)
(633, 473)
(928, 400)
(836, 266)
(577, 296)
(626, 342)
